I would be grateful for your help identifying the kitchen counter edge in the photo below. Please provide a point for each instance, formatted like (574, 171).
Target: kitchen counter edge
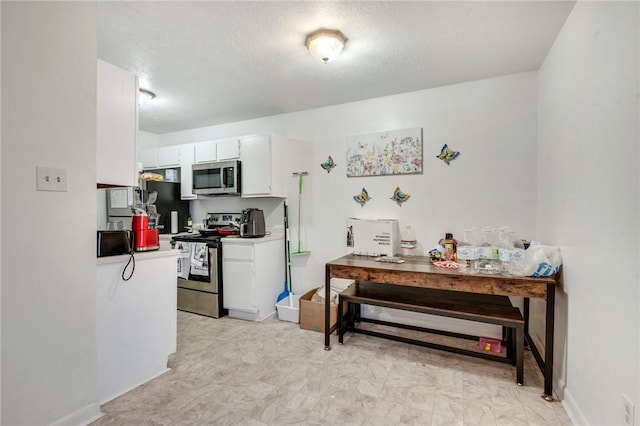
(140, 255)
(240, 240)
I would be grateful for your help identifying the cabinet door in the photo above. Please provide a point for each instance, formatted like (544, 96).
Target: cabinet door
(168, 156)
(148, 158)
(228, 149)
(238, 285)
(117, 125)
(205, 152)
(187, 156)
(255, 155)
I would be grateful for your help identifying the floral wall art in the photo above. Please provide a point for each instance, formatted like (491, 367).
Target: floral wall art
(396, 152)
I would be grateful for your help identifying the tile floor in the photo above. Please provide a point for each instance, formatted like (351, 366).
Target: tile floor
(233, 372)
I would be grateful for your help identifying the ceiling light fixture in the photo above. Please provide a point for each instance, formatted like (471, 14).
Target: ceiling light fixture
(325, 45)
(145, 96)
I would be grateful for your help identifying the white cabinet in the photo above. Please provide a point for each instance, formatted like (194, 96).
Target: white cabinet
(187, 156)
(148, 158)
(168, 156)
(205, 152)
(263, 159)
(228, 149)
(117, 125)
(252, 275)
(160, 158)
(220, 150)
(136, 320)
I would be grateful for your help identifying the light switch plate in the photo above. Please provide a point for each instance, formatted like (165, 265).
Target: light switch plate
(51, 179)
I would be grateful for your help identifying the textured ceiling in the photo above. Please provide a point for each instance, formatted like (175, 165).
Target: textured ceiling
(223, 61)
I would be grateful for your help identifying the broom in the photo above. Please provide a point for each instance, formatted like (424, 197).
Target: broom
(287, 288)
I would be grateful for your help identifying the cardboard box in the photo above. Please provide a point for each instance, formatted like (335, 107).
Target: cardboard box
(372, 237)
(312, 313)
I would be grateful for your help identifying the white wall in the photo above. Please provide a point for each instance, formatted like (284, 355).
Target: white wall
(491, 122)
(48, 238)
(588, 160)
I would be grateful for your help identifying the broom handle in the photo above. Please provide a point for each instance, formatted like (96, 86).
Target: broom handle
(299, 214)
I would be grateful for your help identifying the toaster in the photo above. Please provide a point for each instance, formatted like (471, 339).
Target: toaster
(114, 243)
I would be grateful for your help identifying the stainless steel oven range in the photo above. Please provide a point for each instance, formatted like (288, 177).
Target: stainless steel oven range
(200, 286)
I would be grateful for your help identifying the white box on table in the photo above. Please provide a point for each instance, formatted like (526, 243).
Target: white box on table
(372, 237)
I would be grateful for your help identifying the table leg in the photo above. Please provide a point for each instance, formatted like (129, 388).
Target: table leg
(327, 309)
(526, 319)
(548, 344)
(519, 332)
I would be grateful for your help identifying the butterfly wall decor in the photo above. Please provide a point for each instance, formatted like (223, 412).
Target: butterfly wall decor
(399, 197)
(447, 154)
(362, 197)
(328, 165)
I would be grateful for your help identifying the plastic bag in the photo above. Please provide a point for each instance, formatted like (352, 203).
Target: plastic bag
(541, 260)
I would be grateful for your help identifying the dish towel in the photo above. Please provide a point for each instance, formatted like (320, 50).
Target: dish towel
(200, 259)
(184, 259)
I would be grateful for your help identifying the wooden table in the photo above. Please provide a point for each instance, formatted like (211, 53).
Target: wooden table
(418, 272)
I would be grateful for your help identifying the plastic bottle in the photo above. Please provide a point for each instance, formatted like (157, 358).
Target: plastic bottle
(504, 249)
(467, 252)
(408, 242)
(516, 264)
(449, 247)
(488, 260)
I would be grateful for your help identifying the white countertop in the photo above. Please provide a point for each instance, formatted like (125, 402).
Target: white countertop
(170, 236)
(235, 239)
(139, 256)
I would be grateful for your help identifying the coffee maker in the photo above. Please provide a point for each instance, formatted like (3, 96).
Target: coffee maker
(252, 223)
(146, 239)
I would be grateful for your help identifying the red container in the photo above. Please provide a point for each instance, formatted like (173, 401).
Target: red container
(489, 344)
(140, 222)
(146, 239)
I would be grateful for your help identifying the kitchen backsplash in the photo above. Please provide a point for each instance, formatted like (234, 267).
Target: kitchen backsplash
(272, 207)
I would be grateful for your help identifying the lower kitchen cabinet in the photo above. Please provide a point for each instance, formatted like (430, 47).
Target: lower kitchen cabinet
(252, 275)
(136, 320)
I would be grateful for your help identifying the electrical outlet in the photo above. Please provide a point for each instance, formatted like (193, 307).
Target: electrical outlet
(51, 179)
(629, 411)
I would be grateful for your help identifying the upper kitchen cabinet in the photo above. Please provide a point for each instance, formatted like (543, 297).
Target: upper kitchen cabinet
(117, 126)
(228, 149)
(263, 159)
(220, 150)
(160, 158)
(205, 152)
(187, 158)
(148, 158)
(168, 156)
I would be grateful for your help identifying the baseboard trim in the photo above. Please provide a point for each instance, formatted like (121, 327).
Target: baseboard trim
(572, 409)
(132, 387)
(83, 416)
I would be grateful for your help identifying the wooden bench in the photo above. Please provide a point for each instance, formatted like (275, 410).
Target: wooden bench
(484, 308)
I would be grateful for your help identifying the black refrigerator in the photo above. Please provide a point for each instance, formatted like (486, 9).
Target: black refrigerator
(168, 200)
(121, 200)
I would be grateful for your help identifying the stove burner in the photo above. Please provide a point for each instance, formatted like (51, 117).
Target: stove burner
(218, 225)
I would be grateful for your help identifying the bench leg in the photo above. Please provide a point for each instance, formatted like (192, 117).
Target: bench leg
(508, 337)
(519, 355)
(340, 321)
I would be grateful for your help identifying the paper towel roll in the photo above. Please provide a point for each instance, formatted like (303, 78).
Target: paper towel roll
(174, 222)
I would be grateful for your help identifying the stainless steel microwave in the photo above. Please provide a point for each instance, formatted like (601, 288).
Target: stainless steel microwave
(217, 178)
